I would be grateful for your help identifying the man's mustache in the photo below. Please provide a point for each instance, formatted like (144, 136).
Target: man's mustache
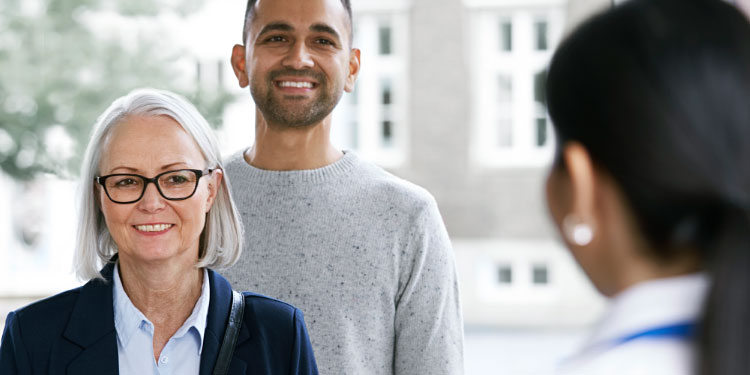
(319, 77)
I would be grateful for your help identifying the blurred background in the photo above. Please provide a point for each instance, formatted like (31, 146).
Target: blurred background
(450, 96)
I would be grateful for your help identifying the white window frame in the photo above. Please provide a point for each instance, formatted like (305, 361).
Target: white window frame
(368, 113)
(523, 303)
(522, 63)
(521, 256)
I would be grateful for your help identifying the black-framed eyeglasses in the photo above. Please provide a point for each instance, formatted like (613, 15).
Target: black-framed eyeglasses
(175, 185)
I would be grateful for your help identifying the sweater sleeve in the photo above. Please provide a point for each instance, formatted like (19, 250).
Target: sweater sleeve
(428, 322)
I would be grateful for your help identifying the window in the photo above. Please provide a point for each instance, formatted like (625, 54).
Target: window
(376, 108)
(509, 117)
(540, 274)
(353, 131)
(540, 108)
(504, 274)
(540, 29)
(385, 92)
(209, 74)
(506, 36)
(354, 134)
(386, 111)
(384, 39)
(353, 97)
(505, 111)
(387, 133)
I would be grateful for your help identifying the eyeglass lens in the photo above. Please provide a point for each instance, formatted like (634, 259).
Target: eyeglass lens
(172, 185)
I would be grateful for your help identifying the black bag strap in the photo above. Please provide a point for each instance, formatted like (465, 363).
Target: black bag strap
(230, 334)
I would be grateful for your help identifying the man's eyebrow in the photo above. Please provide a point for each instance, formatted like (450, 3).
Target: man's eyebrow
(323, 28)
(276, 26)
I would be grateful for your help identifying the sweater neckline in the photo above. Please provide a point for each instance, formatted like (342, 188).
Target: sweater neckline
(340, 167)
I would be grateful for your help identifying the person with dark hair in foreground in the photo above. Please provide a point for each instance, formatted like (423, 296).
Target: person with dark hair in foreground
(651, 183)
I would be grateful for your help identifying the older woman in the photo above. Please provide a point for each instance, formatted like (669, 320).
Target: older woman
(157, 213)
(651, 185)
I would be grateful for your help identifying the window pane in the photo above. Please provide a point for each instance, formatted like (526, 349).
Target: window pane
(504, 89)
(540, 98)
(387, 133)
(540, 87)
(505, 113)
(541, 35)
(386, 112)
(354, 96)
(220, 73)
(505, 132)
(541, 131)
(355, 134)
(504, 275)
(386, 91)
(540, 275)
(384, 40)
(506, 36)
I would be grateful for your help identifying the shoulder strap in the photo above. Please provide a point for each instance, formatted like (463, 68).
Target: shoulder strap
(230, 334)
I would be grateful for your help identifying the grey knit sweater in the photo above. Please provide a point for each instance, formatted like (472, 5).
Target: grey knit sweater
(363, 254)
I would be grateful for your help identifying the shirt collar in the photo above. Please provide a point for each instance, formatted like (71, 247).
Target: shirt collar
(197, 319)
(652, 304)
(128, 318)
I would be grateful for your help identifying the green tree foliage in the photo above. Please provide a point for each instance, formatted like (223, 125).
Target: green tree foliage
(57, 73)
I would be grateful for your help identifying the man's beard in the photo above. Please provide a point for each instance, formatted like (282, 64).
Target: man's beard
(289, 111)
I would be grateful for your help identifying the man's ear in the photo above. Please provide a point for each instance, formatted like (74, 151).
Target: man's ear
(239, 64)
(354, 64)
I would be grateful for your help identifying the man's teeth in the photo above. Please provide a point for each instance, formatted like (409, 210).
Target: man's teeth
(308, 85)
(153, 228)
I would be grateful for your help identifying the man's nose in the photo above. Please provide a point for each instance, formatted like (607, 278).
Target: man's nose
(299, 57)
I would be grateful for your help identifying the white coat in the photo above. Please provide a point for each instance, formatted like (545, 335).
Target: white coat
(630, 339)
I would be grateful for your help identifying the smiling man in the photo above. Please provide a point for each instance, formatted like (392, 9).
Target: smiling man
(364, 254)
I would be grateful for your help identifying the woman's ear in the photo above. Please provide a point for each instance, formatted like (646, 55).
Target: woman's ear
(573, 189)
(214, 184)
(580, 223)
(97, 195)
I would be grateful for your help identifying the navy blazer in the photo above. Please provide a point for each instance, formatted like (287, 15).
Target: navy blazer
(74, 333)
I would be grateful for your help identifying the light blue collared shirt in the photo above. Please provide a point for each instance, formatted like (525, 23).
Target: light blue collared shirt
(135, 336)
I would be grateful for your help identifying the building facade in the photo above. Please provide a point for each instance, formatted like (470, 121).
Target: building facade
(451, 97)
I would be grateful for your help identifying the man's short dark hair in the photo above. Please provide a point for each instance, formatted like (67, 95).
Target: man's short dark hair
(251, 5)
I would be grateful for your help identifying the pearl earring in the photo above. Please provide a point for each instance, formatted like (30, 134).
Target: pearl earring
(577, 231)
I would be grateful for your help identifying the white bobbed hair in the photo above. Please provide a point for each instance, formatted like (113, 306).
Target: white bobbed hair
(221, 240)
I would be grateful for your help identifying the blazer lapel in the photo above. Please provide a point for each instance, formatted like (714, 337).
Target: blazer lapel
(238, 366)
(92, 328)
(218, 315)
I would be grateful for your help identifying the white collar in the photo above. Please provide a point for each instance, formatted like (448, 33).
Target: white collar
(651, 304)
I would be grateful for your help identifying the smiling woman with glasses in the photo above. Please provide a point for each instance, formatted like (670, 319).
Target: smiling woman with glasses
(156, 216)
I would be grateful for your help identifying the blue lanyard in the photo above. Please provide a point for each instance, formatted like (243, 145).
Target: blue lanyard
(683, 331)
